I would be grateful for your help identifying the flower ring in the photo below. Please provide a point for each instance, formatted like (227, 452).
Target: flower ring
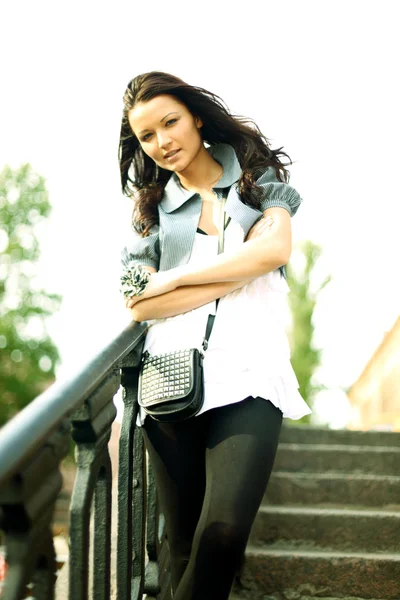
(134, 280)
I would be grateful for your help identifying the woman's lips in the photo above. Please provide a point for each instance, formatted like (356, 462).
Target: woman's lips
(171, 156)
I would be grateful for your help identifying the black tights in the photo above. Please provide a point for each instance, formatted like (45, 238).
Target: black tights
(211, 474)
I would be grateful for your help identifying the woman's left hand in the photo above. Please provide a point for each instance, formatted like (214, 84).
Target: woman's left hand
(262, 226)
(159, 283)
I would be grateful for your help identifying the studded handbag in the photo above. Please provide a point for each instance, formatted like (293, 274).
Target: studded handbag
(171, 385)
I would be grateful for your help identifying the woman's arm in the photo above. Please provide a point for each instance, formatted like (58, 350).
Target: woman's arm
(256, 257)
(182, 300)
(259, 255)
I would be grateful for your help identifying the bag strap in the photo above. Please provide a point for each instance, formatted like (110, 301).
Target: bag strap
(223, 223)
(221, 228)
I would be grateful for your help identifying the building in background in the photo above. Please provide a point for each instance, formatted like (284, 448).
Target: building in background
(375, 396)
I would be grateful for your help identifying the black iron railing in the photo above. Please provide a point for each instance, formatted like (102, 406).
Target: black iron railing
(32, 447)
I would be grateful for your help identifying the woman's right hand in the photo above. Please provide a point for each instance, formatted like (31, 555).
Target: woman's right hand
(130, 302)
(159, 283)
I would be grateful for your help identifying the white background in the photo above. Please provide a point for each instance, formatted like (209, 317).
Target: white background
(320, 78)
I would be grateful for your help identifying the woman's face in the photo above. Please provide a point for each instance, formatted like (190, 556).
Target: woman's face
(167, 132)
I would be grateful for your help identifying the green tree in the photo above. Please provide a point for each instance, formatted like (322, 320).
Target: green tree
(304, 292)
(28, 355)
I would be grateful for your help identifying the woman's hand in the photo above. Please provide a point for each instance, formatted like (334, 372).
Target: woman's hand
(262, 226)
(159, 283)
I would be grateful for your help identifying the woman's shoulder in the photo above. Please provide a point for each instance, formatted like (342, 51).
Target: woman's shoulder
(277, 193)
(143, 250)
(266, 174)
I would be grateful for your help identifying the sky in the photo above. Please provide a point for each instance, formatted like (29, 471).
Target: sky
(319, 78)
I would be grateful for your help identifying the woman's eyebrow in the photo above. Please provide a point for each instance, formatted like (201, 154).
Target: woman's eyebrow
(171, 113)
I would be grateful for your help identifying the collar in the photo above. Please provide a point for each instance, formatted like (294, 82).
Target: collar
(175, 195)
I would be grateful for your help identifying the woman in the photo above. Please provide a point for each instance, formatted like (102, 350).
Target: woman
(180, 150)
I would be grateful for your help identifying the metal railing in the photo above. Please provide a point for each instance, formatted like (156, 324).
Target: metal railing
(32, 447)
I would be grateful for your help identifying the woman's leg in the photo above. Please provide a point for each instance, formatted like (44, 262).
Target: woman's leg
(241, 446)
(177, 455)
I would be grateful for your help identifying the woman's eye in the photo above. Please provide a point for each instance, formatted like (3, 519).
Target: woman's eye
(147, 136)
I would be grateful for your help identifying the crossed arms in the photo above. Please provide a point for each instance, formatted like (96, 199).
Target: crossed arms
(169, 293)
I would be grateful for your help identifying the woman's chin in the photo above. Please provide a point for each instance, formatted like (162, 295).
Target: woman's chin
(174, 167)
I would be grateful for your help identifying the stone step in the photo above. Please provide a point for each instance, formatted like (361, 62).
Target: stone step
(332, 488)
(303, 592)
(334, 574)
(328, 528)
(341, 458)
(304, 434)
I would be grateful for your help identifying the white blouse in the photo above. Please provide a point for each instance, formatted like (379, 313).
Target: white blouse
(248, 352)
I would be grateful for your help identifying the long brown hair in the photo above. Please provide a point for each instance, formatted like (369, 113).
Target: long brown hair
(144, 180)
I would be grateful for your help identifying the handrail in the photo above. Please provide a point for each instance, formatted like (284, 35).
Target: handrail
(32, 447)
(29, 428)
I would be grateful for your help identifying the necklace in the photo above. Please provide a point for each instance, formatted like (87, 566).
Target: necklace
(209, 186)
(218, 179)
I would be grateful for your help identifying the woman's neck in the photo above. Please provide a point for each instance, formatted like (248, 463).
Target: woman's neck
(202, 173)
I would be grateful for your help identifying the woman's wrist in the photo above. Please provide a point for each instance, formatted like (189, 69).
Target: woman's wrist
(179, 277)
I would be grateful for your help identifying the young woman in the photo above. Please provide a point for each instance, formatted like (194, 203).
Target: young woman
(180, 149)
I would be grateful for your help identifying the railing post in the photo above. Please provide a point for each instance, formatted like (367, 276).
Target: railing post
(138, 517)
(158, 574)
(27, 500)
(131, 489)
(91, 431)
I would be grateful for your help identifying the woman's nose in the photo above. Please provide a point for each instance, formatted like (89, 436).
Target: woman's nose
(163, 140)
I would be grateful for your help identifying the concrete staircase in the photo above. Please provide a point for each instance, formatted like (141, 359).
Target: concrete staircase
(329, 526)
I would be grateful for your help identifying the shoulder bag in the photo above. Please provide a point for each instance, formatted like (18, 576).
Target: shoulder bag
(171, 385)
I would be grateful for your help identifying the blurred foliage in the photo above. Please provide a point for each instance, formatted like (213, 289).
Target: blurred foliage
(28, 355)
(304, 292)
